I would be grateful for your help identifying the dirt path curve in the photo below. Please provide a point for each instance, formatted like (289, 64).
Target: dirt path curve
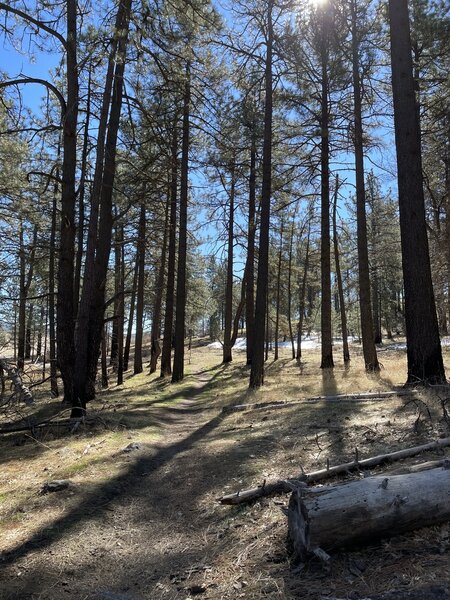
(144, 534)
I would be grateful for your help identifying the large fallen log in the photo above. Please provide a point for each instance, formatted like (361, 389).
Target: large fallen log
(345, 515)
(283, 486)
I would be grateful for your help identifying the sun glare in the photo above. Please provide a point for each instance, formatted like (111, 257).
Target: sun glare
(318, 2)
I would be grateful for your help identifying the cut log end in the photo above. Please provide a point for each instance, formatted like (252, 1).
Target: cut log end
(351, 514)
(298, 527)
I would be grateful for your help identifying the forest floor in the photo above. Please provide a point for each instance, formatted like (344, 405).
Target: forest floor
(146, 524)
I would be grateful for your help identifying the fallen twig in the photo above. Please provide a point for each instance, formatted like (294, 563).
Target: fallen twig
(283, 486)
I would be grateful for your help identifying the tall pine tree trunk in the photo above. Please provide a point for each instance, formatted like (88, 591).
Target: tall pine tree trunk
(104, 358)
(51, 290)
(28, 332)
(277, 314)
(65, 299)
(126, 352)
(345, 349)
(89, 267)
(325, 259)
(424, 353)
(180, 312)
(257, 366)
(81, 197)
(227, 352)
(289, 290)
(25, 279)
(21, 320)
(302, 302)
(250, 262)
(121, 307)
(367, 326)
(166, 354)
(42, 328)
(138, 368)
(117, 300)
(89, 338)
(155, 349)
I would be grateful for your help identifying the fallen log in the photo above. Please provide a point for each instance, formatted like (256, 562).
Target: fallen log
(426, 466)
(280, 404)
(32, 426)
(353, 513)
(20, 388)
(283, 486)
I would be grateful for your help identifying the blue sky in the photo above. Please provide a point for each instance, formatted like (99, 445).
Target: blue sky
(16, 63)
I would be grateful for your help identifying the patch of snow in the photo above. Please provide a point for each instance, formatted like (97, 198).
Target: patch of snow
(215, 345)
(313, 343)
(241, 344)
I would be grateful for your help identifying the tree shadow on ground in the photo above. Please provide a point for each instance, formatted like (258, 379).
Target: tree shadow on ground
(163, 495)
(103, 504)
(329, 384)
(124, 484)
(118, 415)
(99, 498)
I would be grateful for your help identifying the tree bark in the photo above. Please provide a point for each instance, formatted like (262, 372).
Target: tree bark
(126, 353)
(25, 280)
(180, 309)
(238, 313)
(325, 258)
(65, 308)
(81, 198)
(250, 262)
(138, 368)
(121, 305)
(155, 349)
(104, 358)
(278, 300)
(301, 309)
(345, 349)
(367, 329)
(358, 512)
(227, 347)
(28, 333)
(257, 365)
(289, 290)
(114, 350)
(42, 333)
(424, 353)
(95, 196)
(166, 354)
(21, 320)
(51, 291)
(93, 302)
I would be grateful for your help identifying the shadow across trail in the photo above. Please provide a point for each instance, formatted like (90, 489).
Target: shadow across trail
(125, 485)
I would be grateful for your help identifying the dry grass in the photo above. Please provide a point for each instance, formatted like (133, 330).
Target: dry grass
(147, 525)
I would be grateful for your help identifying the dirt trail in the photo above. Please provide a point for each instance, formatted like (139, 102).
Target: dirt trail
(127, 539)
(155, 531)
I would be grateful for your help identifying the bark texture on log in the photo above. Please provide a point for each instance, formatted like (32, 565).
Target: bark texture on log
(361, 511)
(20, 388)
